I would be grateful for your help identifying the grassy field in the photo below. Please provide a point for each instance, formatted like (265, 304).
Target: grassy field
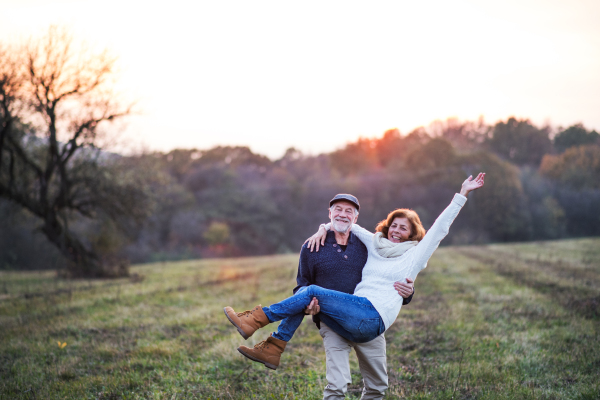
(516, 321)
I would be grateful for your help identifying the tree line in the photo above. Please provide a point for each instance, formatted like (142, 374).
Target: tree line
(67, 204)
(229, 201)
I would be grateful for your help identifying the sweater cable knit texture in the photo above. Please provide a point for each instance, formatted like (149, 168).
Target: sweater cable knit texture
(379, 274)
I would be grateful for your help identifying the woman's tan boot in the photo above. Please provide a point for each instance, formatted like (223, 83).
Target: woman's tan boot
(267, 352)
(247, 322)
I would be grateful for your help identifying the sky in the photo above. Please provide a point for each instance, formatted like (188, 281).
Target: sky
(316, 75)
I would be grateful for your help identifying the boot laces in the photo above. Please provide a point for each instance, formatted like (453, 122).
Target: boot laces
(260, 345)
(243, 314)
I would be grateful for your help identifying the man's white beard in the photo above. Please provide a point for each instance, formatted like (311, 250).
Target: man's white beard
(342, 228)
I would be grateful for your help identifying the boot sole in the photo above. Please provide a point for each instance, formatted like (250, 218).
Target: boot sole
(266, 364)
(234, 324)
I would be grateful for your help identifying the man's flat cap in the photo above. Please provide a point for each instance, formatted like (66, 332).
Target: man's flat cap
(345, 197)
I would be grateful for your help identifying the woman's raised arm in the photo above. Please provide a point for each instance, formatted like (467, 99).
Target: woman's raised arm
(441, 226)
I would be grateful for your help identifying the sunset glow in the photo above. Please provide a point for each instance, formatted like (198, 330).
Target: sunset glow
(315, 75)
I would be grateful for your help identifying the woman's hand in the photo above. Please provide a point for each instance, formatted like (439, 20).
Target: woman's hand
(472, 184)
(317, 239)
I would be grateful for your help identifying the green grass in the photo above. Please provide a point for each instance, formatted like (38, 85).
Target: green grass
(513, 321)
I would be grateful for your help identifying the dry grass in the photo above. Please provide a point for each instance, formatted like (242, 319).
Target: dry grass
(492, 322)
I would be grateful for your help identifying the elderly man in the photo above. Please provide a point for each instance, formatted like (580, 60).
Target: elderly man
(338, 266)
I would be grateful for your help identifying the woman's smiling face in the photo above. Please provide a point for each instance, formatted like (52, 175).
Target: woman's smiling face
(399, 231)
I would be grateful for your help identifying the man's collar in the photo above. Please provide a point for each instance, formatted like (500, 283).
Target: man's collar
(351, 237)
(331, 237)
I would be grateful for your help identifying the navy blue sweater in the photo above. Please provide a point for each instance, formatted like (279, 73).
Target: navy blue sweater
(331, 267)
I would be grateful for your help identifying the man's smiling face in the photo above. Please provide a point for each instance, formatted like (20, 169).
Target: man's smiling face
(342, 215)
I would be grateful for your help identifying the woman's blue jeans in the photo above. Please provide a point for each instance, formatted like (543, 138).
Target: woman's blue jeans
(351, 317)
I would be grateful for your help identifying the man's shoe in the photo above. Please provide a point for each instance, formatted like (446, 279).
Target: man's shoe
(267, 352)
(247, 322)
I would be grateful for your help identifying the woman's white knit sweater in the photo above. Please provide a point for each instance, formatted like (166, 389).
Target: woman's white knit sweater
(379, 273)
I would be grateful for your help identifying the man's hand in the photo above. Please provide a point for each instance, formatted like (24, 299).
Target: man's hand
(405, 289)
(313, 308)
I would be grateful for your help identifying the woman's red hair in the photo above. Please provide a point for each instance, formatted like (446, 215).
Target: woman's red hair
(416, 227)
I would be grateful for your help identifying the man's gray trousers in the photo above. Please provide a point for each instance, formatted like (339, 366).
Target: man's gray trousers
(371, 360)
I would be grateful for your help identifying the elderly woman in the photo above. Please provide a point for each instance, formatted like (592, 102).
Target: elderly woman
(399, 250)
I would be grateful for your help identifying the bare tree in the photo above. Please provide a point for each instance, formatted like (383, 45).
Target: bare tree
(54, 98)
